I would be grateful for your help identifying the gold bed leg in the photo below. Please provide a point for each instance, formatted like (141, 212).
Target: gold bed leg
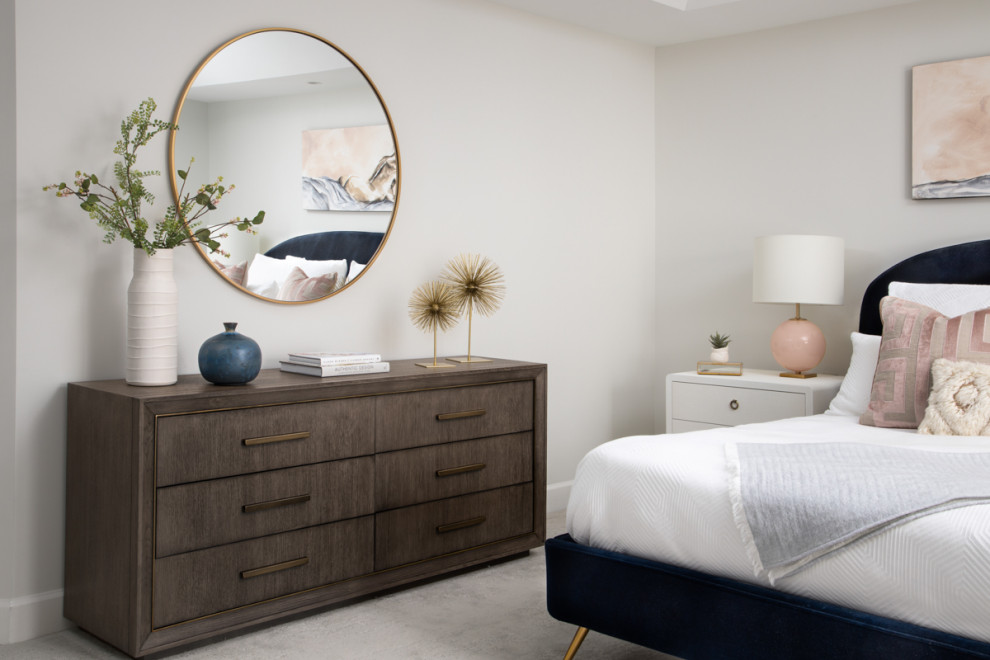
(576, 643)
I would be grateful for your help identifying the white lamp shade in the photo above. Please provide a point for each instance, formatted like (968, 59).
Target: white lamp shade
(794, 268)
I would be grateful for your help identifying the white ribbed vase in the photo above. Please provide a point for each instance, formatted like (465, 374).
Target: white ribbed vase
(152, 321)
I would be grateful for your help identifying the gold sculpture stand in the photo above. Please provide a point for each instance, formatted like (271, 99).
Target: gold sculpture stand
(435, 365)
(469, 358)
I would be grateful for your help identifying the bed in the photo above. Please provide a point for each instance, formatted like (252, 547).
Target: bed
(611, 579)
(359, 246)
(307, 267)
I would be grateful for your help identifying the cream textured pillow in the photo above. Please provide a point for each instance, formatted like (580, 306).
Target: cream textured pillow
(960, 400)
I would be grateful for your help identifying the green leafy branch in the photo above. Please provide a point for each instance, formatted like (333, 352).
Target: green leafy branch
(117, 208)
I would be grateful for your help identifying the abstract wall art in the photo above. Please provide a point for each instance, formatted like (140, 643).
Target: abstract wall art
(349, 169)
(950, 146)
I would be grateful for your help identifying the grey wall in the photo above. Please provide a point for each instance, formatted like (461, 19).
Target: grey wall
(520, 140)
(805, 129)
(619, 187)
(8, 265)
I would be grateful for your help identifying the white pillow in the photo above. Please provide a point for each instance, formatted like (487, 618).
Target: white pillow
(264, 272)
(316, 268)
(356, 269)
(854, 393)
(947, 299)
(270, 290)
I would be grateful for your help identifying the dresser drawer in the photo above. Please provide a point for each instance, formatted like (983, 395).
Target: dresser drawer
(419, 475)
(438, 528)
(729, 406)
(196, 584)
(218, 444)
(435, 416)
(209, 513)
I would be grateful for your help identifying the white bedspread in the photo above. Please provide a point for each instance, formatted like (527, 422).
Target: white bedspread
(666, 498)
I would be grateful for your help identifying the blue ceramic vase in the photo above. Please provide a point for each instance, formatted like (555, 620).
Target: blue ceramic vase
(229, 358)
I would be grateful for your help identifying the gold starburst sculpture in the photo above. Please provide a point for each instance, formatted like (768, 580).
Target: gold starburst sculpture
(434, 306)
(478, 284)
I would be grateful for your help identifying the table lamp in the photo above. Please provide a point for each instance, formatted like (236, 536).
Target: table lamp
(797, 269)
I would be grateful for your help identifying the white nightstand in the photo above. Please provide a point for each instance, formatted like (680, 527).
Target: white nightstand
(696, 402)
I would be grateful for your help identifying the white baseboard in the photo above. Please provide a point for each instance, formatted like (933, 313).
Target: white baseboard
(557, 495)
(31, 616)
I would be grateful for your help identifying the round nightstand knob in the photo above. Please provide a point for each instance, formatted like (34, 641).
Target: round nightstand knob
(734, 404)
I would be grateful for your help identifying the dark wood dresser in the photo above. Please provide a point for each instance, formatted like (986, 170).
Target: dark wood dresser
(194, 509)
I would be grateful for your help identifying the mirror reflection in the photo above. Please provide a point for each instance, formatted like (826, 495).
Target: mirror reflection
(301, 132)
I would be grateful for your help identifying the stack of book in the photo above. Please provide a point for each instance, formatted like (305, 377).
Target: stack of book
(334, 364)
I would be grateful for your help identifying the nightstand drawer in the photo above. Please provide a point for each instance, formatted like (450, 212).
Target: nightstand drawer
(204, 582)
(730, 406)
(684, 426)
(429, 530)
(208, 445)
(416, 419)
(419, 475)
(209, 513)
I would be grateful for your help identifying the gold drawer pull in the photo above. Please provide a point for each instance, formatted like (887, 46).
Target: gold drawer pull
(460, 415)
(268, 439)
(450, 527)
(274, 568)
(272, 504)
(447, 472)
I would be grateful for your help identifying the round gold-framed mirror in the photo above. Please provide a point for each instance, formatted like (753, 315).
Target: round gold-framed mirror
(302, 133)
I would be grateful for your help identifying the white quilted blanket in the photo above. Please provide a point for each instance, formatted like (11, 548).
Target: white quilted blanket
(666, 498)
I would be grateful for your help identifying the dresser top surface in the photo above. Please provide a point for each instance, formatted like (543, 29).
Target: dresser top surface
(404, 372)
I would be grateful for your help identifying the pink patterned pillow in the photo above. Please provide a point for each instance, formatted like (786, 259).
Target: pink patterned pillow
(298, 287)
(234, 273)
(913, 337)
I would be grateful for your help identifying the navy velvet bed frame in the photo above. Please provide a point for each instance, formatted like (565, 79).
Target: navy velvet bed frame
(698, 616)
(359, 246)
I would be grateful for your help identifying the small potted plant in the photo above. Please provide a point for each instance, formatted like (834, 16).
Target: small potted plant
(720, 347)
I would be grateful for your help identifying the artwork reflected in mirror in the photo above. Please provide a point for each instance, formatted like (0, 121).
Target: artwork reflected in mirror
(349, 169)
(243, 112)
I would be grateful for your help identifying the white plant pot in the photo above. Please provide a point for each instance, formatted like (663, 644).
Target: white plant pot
(719, 354)
(152, 321)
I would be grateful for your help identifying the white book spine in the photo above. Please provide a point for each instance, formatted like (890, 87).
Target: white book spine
(335, 370)
(371, 367)
(332, 360)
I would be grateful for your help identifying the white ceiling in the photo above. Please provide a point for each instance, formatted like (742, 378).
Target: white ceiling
(651, 22)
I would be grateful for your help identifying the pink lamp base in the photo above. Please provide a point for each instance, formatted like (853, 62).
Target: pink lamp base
(798, 345)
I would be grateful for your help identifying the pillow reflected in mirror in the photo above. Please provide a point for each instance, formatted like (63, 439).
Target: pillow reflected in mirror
(315, 268)
(298, 287)
(356, 269)
(264, 272)
(234, 273)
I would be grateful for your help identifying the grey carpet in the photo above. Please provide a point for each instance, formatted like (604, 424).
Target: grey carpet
(490, 613)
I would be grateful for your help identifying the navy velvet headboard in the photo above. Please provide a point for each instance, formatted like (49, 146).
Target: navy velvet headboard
(966, 263)
(359, 246)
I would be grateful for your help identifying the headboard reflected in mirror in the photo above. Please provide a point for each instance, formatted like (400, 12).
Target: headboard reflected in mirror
(301, 132)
